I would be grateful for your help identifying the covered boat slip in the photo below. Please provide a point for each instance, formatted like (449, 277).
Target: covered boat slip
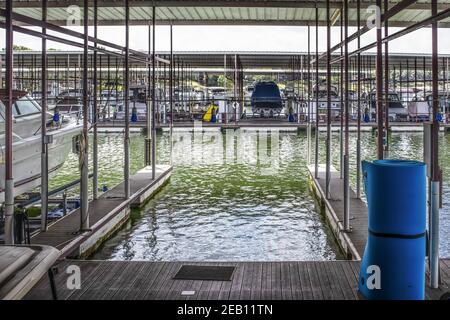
(287, 280)
(107, 214)
(345, 211)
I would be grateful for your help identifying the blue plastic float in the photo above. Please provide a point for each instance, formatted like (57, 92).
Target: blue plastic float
(396, 244)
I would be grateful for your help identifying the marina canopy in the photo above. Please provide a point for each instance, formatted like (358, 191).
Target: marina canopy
(228, 12)
(217, 60)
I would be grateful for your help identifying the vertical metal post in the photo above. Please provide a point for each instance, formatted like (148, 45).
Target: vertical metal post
(341, 90)
(225, 84)
(153, 95)
(309, 94)
(95, 111)
(328, 141)
(171, 70)
(148, 139)
(126, 147)
(9, 180)
(379, 88)
(235, 90)
(435, 170)
(358, 133)
(44, 146)
(347, 109)
(316, 130)
(84, 190)
(386, 81)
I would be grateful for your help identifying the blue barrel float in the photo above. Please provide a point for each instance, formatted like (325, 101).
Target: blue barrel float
(396, 244)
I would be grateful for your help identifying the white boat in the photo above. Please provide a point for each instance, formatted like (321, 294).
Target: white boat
(420, 108)
(397, 111)
(27, 142)
(320, 92)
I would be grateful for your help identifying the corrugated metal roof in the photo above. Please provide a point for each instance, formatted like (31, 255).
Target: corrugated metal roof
(221, 12)
(211, 59)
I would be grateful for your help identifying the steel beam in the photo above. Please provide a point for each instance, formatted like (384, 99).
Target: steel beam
(435, 170)
(126, 142)
(44, 142)
(328, 141)
(95, 109)
(379, 88)
(154, 94)
(9, 180)
(84, 148)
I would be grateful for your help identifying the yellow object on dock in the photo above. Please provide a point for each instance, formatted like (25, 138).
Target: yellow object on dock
(209, 113)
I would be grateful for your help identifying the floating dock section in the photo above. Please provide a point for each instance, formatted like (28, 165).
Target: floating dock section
(144, 280)
(106, 215)
(352, 243)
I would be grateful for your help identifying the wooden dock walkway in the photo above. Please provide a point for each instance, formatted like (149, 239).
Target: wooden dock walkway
(106, 214)
(269, 123)
(140, 280)
(352, 243)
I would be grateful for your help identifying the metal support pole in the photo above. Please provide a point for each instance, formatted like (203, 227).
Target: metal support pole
(386, 82)
(346, 137)
(148, 139)
(309, 95)
(379, 88)
(358, 133)
(95, 112)
(328, 141)
(435, 170)
(171, 70)
(316, 130)
(84, 190)
(153, 95)
(9, 180)
(342, 102)
(44, 146)
(126, 148)
(235, 90)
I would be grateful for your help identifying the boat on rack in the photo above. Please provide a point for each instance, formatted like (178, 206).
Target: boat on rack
(266, 100)
(421, 106)
(397, 111)
(320, 94)
(27, 142)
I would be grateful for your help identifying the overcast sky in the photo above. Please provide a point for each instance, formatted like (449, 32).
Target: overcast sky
(243, 38)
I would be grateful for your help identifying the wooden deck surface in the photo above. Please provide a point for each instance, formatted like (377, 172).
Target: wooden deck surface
(63, 234)
(137, 280)
(358, 208)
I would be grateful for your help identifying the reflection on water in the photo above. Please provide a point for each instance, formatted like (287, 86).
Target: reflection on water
(226, 201)
(229, 203)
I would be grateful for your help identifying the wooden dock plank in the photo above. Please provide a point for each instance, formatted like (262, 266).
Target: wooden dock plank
(145, 280)
(276, 281)
(286, 287)
(256, 281)
(316, 280)
(295, 281)
(266, 283)
(305, 282)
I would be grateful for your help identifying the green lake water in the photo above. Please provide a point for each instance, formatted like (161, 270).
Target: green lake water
(227, 201)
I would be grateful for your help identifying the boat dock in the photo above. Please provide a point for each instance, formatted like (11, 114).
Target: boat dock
(143, 280)
(352, 243)
(271, 280)
(115, 126)
(107, 214)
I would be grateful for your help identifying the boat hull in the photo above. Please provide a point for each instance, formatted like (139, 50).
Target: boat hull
(27, 159)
